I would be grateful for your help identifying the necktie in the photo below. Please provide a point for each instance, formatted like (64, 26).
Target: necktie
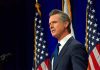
(56, 53)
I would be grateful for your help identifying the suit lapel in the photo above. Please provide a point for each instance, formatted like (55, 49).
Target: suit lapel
(64, 49)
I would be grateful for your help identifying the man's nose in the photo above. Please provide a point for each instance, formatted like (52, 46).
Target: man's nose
(51, 26)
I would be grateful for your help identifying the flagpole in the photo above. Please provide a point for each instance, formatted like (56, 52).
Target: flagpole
(86, 44)
(34, 44)
(36, 1)
(69, 9)
(63, 5)
(35, 39)
(37, 6)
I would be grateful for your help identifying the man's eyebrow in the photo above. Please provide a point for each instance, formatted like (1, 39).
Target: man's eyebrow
(54, 21)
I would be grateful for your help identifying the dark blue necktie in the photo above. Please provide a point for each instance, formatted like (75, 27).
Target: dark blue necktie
(56, 53)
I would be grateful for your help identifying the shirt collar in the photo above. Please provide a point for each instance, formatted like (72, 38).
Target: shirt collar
(63, 41)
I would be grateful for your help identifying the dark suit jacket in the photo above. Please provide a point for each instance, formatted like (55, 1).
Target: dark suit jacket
(73, 56)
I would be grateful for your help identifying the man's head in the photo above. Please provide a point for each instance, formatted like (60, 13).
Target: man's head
(59, 24)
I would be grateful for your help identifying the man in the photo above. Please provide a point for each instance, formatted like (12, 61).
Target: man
(72, 55)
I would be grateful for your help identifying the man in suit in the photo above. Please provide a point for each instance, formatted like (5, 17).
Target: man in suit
(71, 54)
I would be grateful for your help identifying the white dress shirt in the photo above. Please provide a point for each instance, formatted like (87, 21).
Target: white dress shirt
(63, 41)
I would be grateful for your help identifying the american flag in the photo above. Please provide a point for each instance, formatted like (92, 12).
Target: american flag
(42, 58)
(93, 36)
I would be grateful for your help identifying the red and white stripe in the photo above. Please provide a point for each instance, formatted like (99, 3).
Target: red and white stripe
(45, 65)
(94, 59)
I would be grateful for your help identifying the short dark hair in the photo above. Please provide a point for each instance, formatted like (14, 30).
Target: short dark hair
(64, 17)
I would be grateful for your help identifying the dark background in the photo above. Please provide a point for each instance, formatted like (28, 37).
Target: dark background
(16, 20)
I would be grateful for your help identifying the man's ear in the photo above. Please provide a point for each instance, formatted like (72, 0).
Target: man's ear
(66, 24)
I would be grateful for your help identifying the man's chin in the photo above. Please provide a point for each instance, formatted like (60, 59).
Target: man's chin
(54, 36)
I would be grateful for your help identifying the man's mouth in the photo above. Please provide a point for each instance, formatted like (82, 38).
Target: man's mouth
(52, 31)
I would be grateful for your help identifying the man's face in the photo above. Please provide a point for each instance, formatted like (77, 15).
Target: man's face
(57, 27)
